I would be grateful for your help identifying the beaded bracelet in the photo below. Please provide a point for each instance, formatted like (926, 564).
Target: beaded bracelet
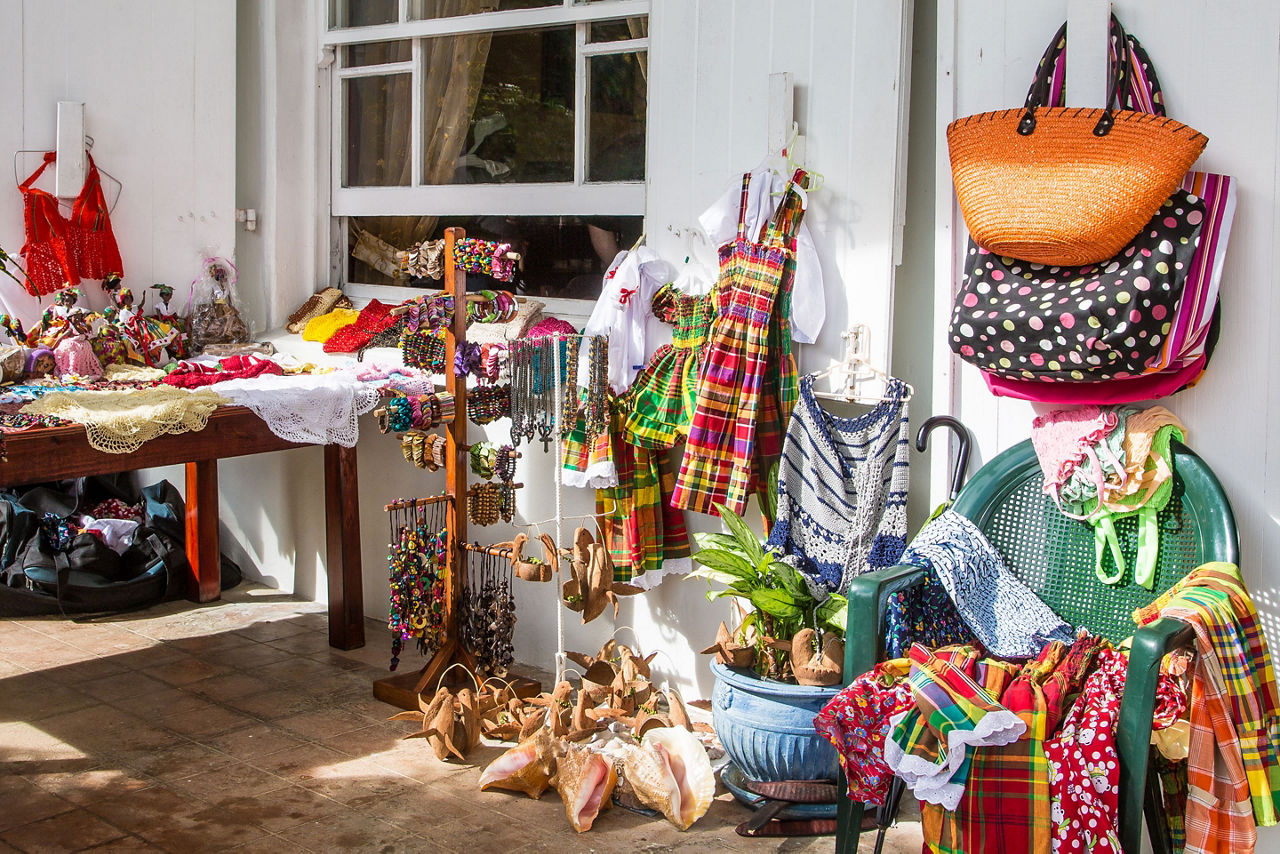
(423, 349)
(484, 503)
(484, 457)
(466, 358)
(504, 463)
(484, 256)
(492, 360)
(486, 404)
(446, 407)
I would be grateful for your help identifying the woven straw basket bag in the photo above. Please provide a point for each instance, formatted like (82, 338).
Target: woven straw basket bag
(1063, 185)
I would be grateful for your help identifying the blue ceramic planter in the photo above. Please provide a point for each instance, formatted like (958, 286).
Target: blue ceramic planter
(767, 727)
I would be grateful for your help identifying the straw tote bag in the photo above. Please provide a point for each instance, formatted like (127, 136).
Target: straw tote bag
(1061, 185)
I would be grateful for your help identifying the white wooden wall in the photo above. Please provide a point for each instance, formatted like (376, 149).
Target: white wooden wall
(158, 83)
(1219, 65)
(708, 123)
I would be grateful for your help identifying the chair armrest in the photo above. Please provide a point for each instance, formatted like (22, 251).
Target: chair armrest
(1151, 643)
(868, 596)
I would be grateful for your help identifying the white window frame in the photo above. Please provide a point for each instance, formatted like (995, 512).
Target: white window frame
(576, 198)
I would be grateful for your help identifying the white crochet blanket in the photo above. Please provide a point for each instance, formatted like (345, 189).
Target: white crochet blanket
(310, 409)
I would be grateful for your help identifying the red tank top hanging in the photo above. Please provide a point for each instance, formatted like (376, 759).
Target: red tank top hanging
(92, 242)
(47, 252)
(60, 251)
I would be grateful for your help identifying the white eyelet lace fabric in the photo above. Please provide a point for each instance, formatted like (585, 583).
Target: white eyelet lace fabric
(310, 409)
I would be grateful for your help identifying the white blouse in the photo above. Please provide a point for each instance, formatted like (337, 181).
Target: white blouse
(720, 222)
(622, 314)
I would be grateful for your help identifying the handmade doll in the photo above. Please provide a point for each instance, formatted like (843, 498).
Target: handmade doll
(164, 315)
(66, 331)
(60, 320)
(107, 341)
(215, 319)
(13, 357)
(40, 362)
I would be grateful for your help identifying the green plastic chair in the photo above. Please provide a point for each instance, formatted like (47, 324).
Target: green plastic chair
(1054, 556)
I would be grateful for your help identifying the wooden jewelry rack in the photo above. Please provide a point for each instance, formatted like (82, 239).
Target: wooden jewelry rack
(404, 689)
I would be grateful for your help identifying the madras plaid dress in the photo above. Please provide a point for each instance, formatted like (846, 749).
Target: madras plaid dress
(638, 525)
(663, 393)
(721, 463)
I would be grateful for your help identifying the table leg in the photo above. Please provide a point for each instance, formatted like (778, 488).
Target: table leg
(342, 526)
(205, 582)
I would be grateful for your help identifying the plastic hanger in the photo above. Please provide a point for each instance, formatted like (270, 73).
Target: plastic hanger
(88, 146)
(856, 369)
(785, 164)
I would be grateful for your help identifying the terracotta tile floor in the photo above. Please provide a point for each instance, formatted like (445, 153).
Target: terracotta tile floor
(233, 726)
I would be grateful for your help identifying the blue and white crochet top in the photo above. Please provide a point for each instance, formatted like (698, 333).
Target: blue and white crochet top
(842, 489)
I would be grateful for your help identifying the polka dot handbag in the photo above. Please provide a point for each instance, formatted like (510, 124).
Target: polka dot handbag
(1093, 323)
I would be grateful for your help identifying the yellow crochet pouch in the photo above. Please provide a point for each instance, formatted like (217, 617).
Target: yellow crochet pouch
(322, 328)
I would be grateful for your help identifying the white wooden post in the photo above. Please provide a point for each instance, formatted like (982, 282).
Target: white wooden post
(1088, 28)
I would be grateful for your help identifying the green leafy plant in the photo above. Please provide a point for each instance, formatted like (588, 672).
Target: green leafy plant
(738, 565)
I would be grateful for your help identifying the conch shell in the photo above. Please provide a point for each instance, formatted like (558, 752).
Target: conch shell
(585, 781)
(671, 773)
(527, 767)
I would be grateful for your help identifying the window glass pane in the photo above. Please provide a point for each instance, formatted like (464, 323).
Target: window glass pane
(562, 256)
(499, 108)
(377, 53)
(613, 31)
(362, 13)
(619, 101)
(420, 9)
(377, 139)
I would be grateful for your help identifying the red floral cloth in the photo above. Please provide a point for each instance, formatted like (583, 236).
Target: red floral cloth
(856, 722)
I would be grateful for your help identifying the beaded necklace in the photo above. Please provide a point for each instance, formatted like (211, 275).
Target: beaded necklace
(487, 620)
(417, 561)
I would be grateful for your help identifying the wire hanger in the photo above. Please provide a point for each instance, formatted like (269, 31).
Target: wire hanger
(595, 514)
(856, 368)
(88, 146)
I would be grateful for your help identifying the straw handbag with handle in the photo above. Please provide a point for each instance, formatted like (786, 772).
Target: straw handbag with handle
(1061, 185)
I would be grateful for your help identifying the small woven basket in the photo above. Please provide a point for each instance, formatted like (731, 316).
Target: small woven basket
(1062, 194)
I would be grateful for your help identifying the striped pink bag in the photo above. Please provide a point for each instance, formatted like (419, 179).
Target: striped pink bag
(1188, 344)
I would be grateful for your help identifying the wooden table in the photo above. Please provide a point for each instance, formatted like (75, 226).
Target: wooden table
(57, 453)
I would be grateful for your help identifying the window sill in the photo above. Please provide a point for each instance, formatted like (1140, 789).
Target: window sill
(575, 311)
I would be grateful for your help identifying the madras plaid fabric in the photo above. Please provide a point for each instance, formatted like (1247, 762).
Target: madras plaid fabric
(663, 391)
(580, 454)
(1213, 598)
(720, 464)
(1173, 789)
(641, 530)
(1219, 815)
(929, 747)
(720, 453)
(1006, 802)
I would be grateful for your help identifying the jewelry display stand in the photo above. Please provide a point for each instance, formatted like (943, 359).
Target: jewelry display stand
(403, 690)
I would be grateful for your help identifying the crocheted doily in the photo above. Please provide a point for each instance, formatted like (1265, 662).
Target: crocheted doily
(118, 422)
(310, 409)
